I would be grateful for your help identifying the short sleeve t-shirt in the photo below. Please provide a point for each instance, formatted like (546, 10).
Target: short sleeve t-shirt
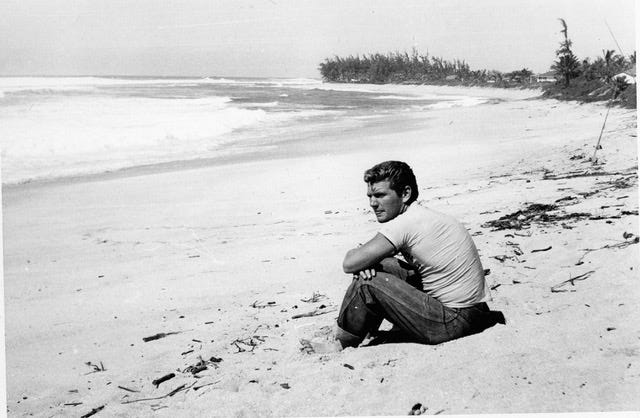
(443, 252)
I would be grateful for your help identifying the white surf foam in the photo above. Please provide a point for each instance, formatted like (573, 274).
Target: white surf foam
(47, 137)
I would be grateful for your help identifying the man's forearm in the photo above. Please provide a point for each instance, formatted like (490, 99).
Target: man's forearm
(354, 261)
(365, 256)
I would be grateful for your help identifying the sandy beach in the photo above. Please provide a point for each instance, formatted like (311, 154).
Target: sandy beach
(223, 257)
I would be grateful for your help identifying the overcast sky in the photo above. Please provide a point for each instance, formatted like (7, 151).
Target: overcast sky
(289, 38)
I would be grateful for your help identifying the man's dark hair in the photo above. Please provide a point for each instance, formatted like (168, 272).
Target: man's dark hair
(397, 173)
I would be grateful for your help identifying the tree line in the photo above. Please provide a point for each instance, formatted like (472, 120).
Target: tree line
(400, 67)
(586, 79)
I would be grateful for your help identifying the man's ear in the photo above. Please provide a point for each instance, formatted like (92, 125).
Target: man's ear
(406, 194)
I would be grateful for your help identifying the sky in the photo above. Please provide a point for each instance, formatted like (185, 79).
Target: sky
(289, 38)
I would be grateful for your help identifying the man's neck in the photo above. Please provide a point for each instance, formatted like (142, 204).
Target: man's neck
(405, 208)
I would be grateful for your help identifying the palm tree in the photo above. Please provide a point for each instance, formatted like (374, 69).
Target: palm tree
(567, 65)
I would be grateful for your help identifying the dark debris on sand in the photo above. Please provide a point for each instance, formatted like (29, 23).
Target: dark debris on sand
(533, 213)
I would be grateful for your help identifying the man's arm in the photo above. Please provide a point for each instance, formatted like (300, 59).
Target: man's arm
(364, 256)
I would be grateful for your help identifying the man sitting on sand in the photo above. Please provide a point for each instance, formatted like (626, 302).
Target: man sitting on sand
(438, 295)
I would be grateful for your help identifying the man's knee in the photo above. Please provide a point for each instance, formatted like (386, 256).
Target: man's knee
(398, 268)
(389, 264)
(382, 279)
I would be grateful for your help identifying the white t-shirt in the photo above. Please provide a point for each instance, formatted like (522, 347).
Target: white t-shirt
(443, 252)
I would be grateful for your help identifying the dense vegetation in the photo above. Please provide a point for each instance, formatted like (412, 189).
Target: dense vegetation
(584, 80)
(596, 81)
(591, 81)
(400, 67)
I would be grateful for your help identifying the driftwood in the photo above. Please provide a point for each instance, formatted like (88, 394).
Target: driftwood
(260, 305)
(173, 392)
(205, 385)
(159, 335)
(318, 311)
(127, 389)
(93, 411)
(162, 379)
(623, 244)
(558, 288)
(541, 249)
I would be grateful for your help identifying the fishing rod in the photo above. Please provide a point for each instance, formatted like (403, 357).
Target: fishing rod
(613, 94)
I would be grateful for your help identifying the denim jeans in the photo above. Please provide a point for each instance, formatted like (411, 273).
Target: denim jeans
(392, 295)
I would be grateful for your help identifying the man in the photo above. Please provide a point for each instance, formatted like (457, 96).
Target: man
(448, 300)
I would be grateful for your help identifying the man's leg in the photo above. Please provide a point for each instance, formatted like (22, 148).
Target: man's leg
(422, 317)
(355, 315)
(355, 320)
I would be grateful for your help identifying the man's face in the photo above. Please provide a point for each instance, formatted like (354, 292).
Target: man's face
(385, 202)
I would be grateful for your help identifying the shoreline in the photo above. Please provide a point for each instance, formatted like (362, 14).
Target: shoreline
(233, 153)
(93, 267)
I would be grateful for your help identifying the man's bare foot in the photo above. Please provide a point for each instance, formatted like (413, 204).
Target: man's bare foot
(329, 340)
(320, 346)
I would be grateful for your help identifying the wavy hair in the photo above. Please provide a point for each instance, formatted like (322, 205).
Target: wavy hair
(397, 173)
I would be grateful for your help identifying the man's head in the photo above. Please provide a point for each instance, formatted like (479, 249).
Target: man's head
(391, 189)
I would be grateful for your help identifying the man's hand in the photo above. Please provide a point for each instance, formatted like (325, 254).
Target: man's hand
(366, 274)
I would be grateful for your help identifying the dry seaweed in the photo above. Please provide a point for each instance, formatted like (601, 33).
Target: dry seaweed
(585, 173)
(201, 365)
(619, 183)
(248, 344)
(95, 367)
(567, 200)
(316, 297)
(543, 214)
(417, 409)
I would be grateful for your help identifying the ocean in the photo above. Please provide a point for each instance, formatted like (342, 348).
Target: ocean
(53, 127)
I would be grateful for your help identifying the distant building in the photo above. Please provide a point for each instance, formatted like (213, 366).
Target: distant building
(548, 77)
(628, 76)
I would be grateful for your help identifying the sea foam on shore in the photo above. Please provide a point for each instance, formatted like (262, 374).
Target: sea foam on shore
(67, 126)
